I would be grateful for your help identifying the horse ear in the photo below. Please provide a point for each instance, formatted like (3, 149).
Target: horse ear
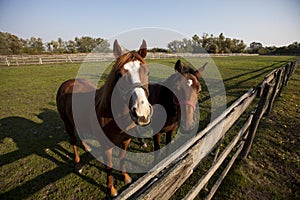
(178, 66)
(143, 49)
(200, 70)
(117, 49)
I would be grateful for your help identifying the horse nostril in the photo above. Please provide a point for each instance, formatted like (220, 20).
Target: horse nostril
(151, 110)
(133, 113)
(142, 119)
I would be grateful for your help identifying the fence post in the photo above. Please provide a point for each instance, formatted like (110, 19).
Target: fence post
(291, 69)
(284, 79)
(275, 90)
(262, 104)
(70, 59)
(295, 66)
(7, 62)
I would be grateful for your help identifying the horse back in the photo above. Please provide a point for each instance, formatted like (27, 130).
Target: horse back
(64, 96)
(154, 93)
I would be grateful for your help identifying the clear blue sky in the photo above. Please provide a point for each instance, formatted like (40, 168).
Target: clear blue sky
(271, 22)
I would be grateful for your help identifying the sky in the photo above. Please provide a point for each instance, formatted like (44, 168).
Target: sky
(271, 22)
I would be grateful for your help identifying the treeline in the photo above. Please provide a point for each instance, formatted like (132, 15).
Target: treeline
(208, 44)
(221, 44)
(258, 48)
(11, 44)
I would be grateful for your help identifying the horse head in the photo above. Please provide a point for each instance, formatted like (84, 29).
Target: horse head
(186, 87)
(131, 73)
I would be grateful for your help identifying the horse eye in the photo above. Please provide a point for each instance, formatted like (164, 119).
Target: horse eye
(148, 73)
(119, 75)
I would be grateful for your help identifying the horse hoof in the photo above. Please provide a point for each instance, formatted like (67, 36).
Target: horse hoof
(78, 168)
(87, 148)
(144, 145)
(127, 179)
(112, 192)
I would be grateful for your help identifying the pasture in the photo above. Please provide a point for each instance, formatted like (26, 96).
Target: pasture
(36, 158)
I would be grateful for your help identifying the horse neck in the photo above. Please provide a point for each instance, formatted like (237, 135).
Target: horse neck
(103, 102)
(159, 94)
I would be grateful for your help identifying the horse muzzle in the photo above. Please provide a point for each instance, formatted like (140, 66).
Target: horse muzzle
(187, 128)
(142, 119)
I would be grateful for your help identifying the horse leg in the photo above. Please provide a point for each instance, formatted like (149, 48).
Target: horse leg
(169, 136)
(108, 168)
(78, 166)
(122, 156)
(142, 143)
(156, 141)
(73, 140)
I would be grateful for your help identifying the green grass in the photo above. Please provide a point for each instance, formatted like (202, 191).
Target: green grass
(272, 169)
(36, 158)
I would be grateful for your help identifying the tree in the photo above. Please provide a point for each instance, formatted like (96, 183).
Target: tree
(9, 44)
(61, 46)
(255, 47)
(208, 43)
(53, 46)
(221, 43)
(196, 39)
(85, 44)
(212, 48)
(70, 47)
(174, 46)
(101, 45)
(35, 45)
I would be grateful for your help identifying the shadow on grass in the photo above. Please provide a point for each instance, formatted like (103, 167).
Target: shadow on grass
(34, 138)
(238, 80)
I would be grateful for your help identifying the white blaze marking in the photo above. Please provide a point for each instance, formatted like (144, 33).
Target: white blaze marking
(190, 82)
(133, 68)
(141, 102)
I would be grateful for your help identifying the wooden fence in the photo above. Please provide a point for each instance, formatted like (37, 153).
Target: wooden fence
(19, 60)
(166, 177)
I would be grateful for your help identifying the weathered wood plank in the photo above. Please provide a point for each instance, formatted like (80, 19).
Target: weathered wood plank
(227, 118)
(147, 179)
(204, 146)
(290, 71)
(203, 181)
(275, 90)
(224, 173)
(262, 105)
(170, 182)
(269, 78)
(284, 77)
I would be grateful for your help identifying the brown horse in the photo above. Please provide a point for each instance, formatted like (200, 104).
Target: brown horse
(178, 95)
(123, 96)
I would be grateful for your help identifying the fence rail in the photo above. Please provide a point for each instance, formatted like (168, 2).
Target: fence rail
(18, 60)
(166, 177)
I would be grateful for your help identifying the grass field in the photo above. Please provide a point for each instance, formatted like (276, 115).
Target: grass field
(36, 158)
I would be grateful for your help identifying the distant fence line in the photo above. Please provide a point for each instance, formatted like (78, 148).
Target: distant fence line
(18, 60)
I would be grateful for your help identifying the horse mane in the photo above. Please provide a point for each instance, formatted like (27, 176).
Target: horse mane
(103, 95)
